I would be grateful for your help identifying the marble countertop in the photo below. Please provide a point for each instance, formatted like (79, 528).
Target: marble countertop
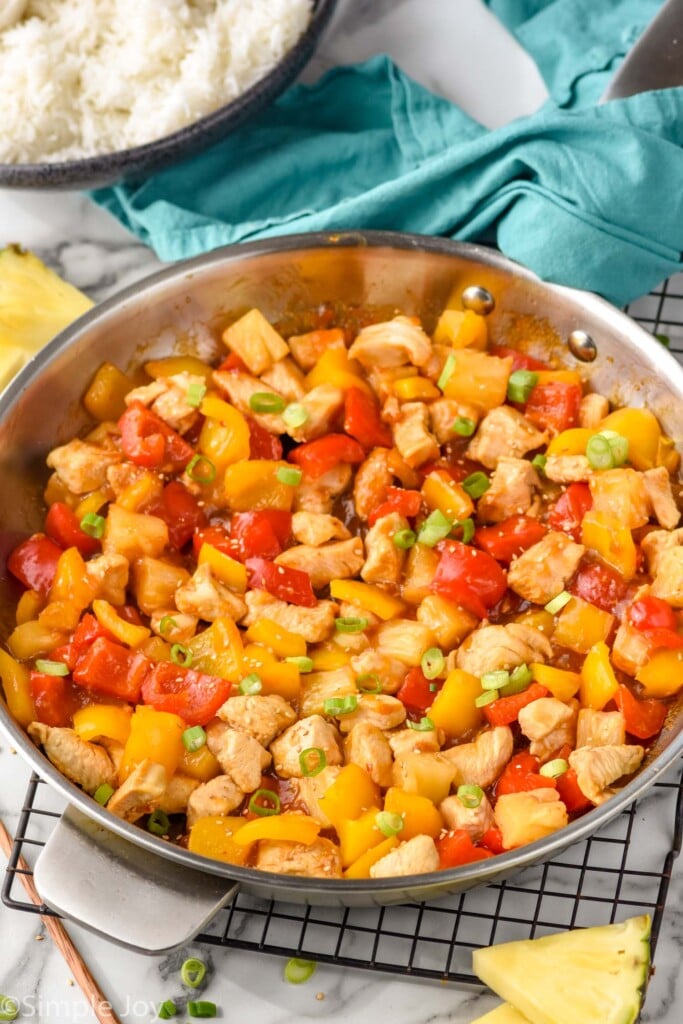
(457, 49)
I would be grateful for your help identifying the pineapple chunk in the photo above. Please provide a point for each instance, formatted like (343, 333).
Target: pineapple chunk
(255, 341)
(503, 1014)
(592, 975)
(525, 817)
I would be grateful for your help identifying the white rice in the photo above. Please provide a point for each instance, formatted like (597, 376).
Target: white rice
(82, 77)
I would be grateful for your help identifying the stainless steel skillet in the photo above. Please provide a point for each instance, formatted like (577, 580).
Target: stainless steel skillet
(113, 877)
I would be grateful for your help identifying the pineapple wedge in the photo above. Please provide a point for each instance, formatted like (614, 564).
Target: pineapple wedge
(35, 304)
(591, 975)
(503, 1014)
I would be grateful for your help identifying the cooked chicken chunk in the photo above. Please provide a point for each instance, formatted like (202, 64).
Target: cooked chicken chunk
(176, 796)
(600, 728)
(109, 574)
(167, 397)
(412, 436)
(542, 571)
(443, 413)
(597, 767)
(339, 560)
(218, 797)
(504, 432)
(631, 649)
(550, 724)
(140, 793)
(86, 764)
(372, 479)
(122, 474)
(668, 581)
(511, 492)
(240, 388)
(319, 860)
(621, 493)
(415, 857)
(82, 467)
(502, 647)
(566, 469)
(592, 410)
(313, 624)
(208, 599)
(316, 528)
(239, 755)
(286, 378)
(390, 672)
(658, 487)
(481, 762)
(318, 495)
(657, 543)
(323, 404)
(525, 817)
(404, 639)
(473, 820)
(414, 741)
(392, 343)
(385, 560)
(313, 731)
(377, 708)
(317, 687)
(264, 718)
(367, 746)
(309, 790)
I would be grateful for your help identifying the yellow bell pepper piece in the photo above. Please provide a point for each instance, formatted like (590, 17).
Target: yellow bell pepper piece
(200, 764)
(570, 442)
(109, 720)
(214, 837)
(358, 835)
(420, 816)
(427, 775)
(224, 437)
(461, 329)
(279, 677)
(156, 735)
(92, 503)
(598, 681)
(612, 540)
(561, 683)
(367, 596)
(127, 632)
(16, 685)
(351, 794)
(440, 492)
(250, 486)
(287, 827)
(140, 492)
(169, 366)
(643, 432)
(31, 639)
(662, 676)
(255, 341)
(328, 656)
(334, 367)
(30, 604)
(361, 867)
(71, 581)
(156, 649)
(226, 569)
(218, 650)
(667, 454)
(454, 709)
(558, 377)
(282, 642)
(414, 389)
(104, 399)
(538, 619)
(581, 625)
(479, 379)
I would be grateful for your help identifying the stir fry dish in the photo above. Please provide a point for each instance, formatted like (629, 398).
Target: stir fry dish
(357, 603)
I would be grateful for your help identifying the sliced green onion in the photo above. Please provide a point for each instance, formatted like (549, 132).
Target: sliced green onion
(447, 372)
(485, 698)
(494, 680)
(167, 624)
(539, 462)
(476, 484)
(350, 624)
(267, 809)
(424, 725)
(663, 339)
(558, 602)
(464, 426)
(432, 663)
(202, 1008)
(599, 453)
(195, 393)
(436, 527)
(102, 793)
(369, 682)
(298, 971)
(405, 539)
(289, 475)
(194, 738)
(553, 769)
(167, 1010)
(158, 823)
(521, 384)
(266, 401)
(52, 668)
(520, 678)
(9, 1008)
(467, 527)
(389, 824)
(303, 663)
(312, 761)
(334, 706)
(433, 687)
(200, 475)
(251, 684)
(93, 525)
(618, 445)
(295, 415)
(470, 796)
(193, 972)
(181, 655)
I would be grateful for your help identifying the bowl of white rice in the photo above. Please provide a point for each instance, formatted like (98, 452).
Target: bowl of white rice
(96, 91)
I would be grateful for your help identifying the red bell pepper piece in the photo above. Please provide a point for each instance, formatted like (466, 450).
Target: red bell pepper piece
(600, 585)
(508, 539)
(554, 406)
(262, 534)
(643, 718)
(181, 512)
(86, 633)
(656, 620)
(34, 562)
(148, 441)
(471, 578)
(493, 840)
(319, 456)
(415, 691)
(520, 360)
(570, 793)
(53, 698)
(233, 363)
(217, 536)
(568, 512)
(505, 710)
(62, 524)
(521, 775)
(286, 584)
(406, 503)
(456, 848)
(194, 696)
(109, 668)
(363, 421)
(262, 444)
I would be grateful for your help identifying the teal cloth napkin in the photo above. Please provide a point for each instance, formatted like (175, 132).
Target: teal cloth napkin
(589, 196)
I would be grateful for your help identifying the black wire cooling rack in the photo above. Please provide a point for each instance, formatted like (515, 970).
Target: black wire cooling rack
(622, 871)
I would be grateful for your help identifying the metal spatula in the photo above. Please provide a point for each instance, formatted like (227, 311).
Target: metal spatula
(656, 61)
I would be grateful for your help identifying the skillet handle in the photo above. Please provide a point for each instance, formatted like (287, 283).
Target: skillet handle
(122, 892)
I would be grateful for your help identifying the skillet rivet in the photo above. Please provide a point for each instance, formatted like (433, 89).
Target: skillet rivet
(478, 299)
(582, 346)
